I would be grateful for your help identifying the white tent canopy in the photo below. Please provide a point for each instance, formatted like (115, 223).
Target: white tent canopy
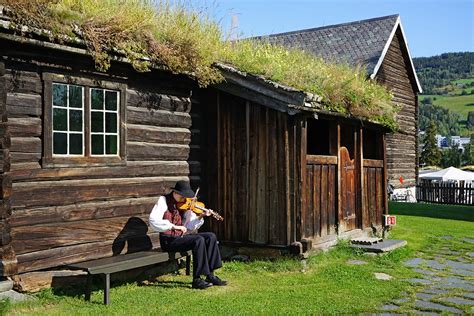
(448, 174)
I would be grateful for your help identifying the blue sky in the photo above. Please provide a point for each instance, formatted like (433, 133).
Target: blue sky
(432, 27)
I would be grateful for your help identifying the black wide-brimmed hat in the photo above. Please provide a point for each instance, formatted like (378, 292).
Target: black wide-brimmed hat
(183, 188)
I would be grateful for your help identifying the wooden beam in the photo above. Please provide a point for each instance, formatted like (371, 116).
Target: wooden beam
(321, 160)
(373, 163)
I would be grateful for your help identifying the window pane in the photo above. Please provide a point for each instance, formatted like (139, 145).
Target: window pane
(59, 119)
(75, 96)
(111, 100)
(97, 121)
(75, 120)
(111, 122)
(75, 144)
(59, 143)
(59, 94)
(111, 144)
(97, 144)
(97, 99)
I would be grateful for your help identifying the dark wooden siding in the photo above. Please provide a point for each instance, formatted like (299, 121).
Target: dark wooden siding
(252, 157)
(374, 193)
(73, 213)
(7, 255)
(401, 147)
(320, 214)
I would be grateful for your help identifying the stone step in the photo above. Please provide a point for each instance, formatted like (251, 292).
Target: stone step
(6, 286)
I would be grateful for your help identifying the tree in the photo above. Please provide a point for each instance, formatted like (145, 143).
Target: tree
(451, 157)
(430, 154)
(468, 155)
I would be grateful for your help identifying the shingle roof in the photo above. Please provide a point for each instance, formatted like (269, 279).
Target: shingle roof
(360, 42)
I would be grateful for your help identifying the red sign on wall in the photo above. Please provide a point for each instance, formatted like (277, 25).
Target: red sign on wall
(390, 220)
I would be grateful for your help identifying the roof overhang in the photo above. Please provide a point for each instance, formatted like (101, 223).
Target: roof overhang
(398, 24)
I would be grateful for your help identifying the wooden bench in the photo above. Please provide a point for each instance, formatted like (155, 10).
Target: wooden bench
(110, 265)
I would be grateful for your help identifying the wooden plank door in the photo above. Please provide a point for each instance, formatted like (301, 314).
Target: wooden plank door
(347, 217)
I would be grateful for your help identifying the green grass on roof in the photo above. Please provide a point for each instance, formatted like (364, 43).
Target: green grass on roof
(152, 33)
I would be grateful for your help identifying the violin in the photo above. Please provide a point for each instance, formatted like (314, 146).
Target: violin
(197, 207)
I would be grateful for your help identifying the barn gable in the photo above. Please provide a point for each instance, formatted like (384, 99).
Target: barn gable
(380, 46)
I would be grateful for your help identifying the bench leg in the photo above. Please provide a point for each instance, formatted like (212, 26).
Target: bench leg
(107, 289)
(88, 287)
(188, 265)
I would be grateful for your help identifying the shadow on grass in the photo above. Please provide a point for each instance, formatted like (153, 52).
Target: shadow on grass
(168, 284)
(442, 211)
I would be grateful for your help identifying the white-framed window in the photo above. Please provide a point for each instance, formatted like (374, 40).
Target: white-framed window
(104, 122)
(84, 126)
(68, 120)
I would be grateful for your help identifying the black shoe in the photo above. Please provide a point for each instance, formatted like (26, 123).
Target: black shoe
(215, 280)
(201, 284)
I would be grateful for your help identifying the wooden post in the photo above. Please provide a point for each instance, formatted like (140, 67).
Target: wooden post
(361, 171)
(339, 197)
(384, 184)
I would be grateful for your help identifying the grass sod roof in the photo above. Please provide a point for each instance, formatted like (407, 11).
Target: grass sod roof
(152, 33)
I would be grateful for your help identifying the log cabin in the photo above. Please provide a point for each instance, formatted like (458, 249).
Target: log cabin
(85, 154)
(380, 46)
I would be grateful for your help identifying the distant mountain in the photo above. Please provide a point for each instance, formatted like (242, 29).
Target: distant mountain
(438, 71)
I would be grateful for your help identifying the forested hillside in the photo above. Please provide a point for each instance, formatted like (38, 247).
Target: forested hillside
(438, 71)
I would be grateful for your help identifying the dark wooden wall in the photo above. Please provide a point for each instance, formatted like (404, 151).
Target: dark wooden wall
(374, 194)
(8, 264)
(401, 147)
(72, 213)
(249, 147)
(320, 214)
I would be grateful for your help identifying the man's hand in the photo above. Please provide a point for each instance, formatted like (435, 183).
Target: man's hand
(181, 228)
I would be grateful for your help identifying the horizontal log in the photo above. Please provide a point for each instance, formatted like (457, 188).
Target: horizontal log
(21, 104)
(39, 237)
(25, 126)
(148, 151)
(152, 134)
(8, 261)
(26, 144)
(25, 167)
(373, 163)
(71, 254)
(321, 160)
(83, 211)
(18, 157)
(5, 186)
(162, 118)
(5, 160)
(157, 101)
(65, 192)
(19, 81)
(5, 209)
(131, 170)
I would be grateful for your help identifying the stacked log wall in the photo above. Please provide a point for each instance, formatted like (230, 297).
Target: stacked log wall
(402, 156)
(8, 262)
(72, 213)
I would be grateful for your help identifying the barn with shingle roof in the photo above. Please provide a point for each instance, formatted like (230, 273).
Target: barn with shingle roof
(380, 46)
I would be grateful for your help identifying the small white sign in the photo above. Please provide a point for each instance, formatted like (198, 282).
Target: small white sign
(390, 220)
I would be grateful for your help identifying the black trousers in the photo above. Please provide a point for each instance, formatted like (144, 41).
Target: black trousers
(206, 254)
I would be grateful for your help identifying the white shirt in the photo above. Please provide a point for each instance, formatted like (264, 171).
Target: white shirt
(190, 220)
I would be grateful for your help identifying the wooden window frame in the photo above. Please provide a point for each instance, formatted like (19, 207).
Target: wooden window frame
(50, 161)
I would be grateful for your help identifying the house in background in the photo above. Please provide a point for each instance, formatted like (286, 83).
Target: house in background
(381, 47)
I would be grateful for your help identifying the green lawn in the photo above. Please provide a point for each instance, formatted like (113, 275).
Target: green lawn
(461, 104)
(325, 284)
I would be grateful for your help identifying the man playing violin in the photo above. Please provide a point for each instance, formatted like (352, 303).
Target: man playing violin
(178, 232)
